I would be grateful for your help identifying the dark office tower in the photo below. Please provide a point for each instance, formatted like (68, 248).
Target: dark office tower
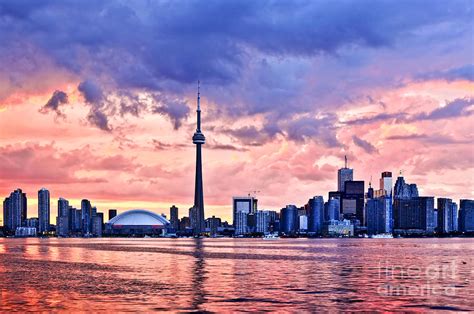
(86, 209)
(343, 175)
(445, 222)
(414, 215)
(112, 213)
(97, 223)
(403, 190)
(454, 217)
(7, 216)
(379, 215)
(199, 140)
(289, 220)
(72, 219)
(62, 227)
(18, 208)
(316, 215)
(353, 201)
(78, 221)
(174, 220)
(332, 209)
(44, 210)
(466, 216)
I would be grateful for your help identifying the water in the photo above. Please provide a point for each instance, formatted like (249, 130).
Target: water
(219, 275)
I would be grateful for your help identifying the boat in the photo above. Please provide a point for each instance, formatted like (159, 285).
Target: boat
(270, 237)
(381, 236)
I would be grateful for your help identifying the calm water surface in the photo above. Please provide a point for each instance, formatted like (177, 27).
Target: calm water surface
(225, 275)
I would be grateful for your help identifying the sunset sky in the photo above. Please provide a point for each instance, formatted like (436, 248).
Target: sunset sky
(98, 98)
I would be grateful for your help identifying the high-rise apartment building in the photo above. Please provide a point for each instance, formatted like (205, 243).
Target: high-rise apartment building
(44, 211)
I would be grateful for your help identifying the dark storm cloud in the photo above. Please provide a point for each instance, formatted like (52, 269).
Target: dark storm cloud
(368, 147)
(461, 107)
(99, 119)
(57, 99)
(253, 55)
(176, 110)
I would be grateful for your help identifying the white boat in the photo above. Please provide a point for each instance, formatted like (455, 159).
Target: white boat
(271, 237)
(382, 236)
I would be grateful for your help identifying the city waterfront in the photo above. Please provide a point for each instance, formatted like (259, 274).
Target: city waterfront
(223, 275)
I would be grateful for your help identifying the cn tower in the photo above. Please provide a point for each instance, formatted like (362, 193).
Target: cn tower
(199, 139)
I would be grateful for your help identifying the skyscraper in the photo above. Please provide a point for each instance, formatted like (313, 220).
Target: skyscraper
(466, 215)
(386, 183)
(289, 220)
(414, 215)
(16, 211)
(403, 190)
(174, 220)
(242, 207)
(316, 215)
(343, 175)
(198, 140)
(62, 228)
(86, 210)
(7, 216)
(444, 215)
(353, 201)
(379, 215)
(44, 210)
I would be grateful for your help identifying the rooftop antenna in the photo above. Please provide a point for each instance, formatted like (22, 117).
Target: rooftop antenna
(370, 182)
(345, 161)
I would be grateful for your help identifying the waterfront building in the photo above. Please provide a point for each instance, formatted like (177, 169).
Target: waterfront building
(262, 221)
(63, 220)
(379, 215)
(198, 140)
(353, 201)
(343, 175)
(338, 228)
(26, 232)
(445, 215)
(315, 215)
(303, 223)
(44, 210)
(414, 215)
(86, 211)
(112, 213)
(7, 216)
(242, 207)
(212, 224)
(466, 215)
(289, 220)
(332, 209)
(14, 211)
(454, 217)
(137, 222)
(174, 220)
(98, 222)
(78, 221)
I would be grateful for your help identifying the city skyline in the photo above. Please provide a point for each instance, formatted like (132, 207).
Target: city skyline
(281, 111)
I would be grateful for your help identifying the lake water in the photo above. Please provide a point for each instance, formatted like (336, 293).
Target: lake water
(225, 275)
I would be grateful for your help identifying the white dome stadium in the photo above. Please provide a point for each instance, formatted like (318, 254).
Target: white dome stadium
(138, 217)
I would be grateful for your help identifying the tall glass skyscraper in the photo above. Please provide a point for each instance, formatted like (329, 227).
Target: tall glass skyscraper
(44, 210)
(86, 210)
(316, 215)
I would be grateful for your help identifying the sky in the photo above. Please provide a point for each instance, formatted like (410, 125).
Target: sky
(98, 99)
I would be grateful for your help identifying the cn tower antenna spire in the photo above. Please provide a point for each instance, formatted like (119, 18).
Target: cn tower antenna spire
(199, 96)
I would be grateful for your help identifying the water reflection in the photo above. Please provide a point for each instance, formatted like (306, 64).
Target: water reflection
(233, 274)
